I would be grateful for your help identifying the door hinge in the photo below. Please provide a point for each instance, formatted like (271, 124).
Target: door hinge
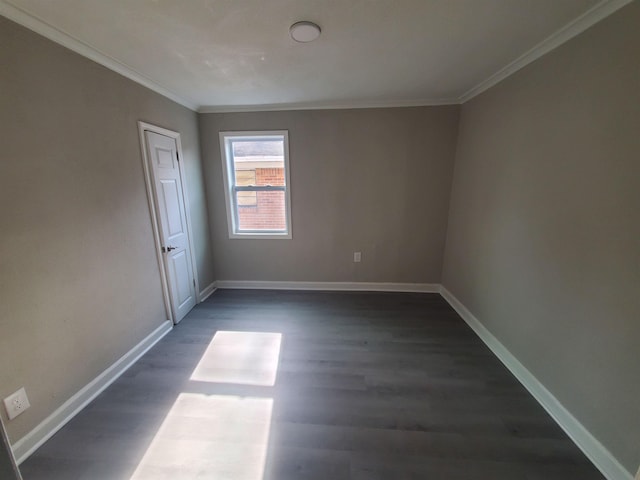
(194, 283)
(177, 156)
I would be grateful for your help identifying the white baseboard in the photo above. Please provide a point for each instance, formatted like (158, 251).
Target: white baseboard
(69, 409)
(207, 291)
(592, 448)
(8, 461)
(331, 286)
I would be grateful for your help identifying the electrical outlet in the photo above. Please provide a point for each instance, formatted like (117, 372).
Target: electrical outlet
(16, 403)
(357, 257)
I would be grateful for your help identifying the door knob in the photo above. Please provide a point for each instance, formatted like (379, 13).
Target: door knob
(168, 249)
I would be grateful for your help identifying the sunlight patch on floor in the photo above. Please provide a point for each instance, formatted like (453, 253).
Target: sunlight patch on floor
(219, 436)
(210, 436)
(245, 358)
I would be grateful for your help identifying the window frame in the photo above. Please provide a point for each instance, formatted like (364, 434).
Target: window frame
(226, 138)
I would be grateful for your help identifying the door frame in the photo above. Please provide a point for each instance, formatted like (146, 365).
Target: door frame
(151, 197)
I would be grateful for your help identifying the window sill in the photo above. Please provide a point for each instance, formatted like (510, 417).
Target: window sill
(260, 236)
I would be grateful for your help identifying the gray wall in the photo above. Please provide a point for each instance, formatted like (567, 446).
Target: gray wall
(543, 243)
(372, 180)
(543, 232)
(79, 280)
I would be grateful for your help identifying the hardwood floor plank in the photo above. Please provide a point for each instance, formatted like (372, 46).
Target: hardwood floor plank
(368, 386)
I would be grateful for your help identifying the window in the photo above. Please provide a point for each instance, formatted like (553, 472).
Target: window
(256, 180)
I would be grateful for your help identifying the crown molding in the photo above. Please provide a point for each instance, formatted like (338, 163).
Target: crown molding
(274, 107)
(589, 18)
(59, 36)
(592, 16)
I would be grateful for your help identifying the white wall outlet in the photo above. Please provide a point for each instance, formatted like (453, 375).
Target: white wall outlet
(16, 403)
(357, 257)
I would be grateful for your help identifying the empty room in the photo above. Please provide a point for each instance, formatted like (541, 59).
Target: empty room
(320, 239)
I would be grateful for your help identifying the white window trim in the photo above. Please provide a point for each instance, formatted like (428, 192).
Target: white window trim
(228, 184)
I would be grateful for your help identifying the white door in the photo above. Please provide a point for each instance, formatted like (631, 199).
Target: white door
(171, 215)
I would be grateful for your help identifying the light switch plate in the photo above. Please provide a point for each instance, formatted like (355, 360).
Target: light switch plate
(16, 403)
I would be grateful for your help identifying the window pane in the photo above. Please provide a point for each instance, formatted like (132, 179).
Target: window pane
(268, 213)
(247, 199)
(243, 179)
(257, 159)
(272, 147)
(265, 158)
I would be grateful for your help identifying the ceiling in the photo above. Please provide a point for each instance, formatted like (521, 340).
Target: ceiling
(234, 55)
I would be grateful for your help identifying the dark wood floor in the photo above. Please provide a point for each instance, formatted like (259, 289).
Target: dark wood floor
(369, 386)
